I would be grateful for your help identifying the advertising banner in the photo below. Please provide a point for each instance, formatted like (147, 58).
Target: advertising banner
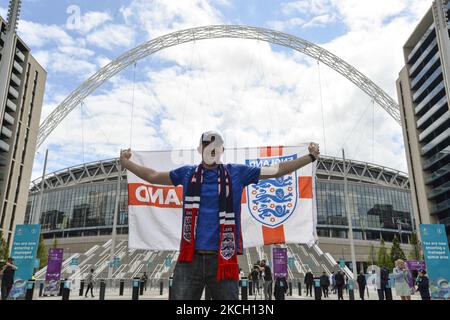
(53, 275)
(273, 211)
(415, 265)
(280, 262)
(435, 250)
(24, 249)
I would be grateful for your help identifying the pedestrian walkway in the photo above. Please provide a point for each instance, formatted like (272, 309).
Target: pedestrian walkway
(153, 295)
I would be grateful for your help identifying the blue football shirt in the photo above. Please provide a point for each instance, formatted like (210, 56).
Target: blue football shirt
(208, 226)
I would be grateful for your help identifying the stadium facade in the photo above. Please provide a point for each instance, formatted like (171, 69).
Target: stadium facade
(78, 206)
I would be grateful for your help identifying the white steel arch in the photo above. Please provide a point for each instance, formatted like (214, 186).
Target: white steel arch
(215, 32)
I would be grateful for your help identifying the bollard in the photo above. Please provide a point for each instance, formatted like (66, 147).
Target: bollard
(351, 293)
(161, 288)
(81, 288)
(101, 295)
(388, 293)
(135, 283)
(290, 288)
(65, 290)
(250, 288)
(30, 289)
(41, 288)
(299, 288)
(207, 293)
(244, 288)
(141, 288)
(170, 288)
(122, 284)
(317, 291)
(61, 287)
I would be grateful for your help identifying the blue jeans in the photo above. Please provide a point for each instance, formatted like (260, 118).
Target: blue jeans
(190, 278)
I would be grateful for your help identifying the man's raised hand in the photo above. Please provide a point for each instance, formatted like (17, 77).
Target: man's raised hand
(314, 150)
(125, 155)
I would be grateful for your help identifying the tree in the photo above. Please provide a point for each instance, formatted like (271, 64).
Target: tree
(372, 256)
(382, 255)
(42, 253)
(416, 253)
(55, 243)
(4, 250)
(396, 251)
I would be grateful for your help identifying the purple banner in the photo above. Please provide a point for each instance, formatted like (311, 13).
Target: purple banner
(280, 262)
(415, 265)
(53, 275)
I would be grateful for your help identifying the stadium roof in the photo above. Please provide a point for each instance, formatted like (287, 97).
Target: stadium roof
(328, 168)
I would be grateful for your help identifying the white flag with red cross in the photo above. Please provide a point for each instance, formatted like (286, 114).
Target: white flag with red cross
(273, 211)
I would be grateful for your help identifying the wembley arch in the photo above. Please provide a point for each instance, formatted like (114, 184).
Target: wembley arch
(216, 32)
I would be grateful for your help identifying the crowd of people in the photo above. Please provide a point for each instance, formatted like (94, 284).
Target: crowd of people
(263, 285)
(404, 283)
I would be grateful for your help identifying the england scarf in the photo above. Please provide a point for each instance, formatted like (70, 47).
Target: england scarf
(227, 259)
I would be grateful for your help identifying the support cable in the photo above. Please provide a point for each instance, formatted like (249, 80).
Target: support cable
(373, 131)
(202, 69)
(82, 129)
(244, 88)
(132, 103)
(321, 109)
(268, 107)
(356, 124)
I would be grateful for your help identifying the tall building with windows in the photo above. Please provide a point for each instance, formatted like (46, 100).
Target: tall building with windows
(22, 82)
(423, 91)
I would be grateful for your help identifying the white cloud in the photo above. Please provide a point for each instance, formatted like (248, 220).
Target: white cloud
(38, 35)
(112, 36)
(102, 61)
(246, 89)
(91, 20)
(314, 7)
(320, 21)
(368, 15)
(286, 24)
(71, 65)
(159, 17)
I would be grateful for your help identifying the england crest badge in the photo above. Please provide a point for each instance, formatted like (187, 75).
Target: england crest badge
(272, 201)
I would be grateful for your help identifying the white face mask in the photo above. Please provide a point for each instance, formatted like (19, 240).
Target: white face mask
(212, 153)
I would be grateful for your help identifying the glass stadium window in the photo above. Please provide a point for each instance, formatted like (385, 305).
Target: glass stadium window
(373, 235)
(323, 233)
(357, 235)
(104, 232)
(339, 234)
(388, 236)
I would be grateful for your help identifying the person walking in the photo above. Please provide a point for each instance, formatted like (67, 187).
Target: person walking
(400, 273)
(382, 289)
(309, 280)
(144, 279)
(280, 288)
(324, 283)
(255, 279)
(90, 282)
(267, 277)
(423, 285)
(340, 282)
(211, 236)
(333, 282)
(361, 280)
(8, 272)
(241, 274)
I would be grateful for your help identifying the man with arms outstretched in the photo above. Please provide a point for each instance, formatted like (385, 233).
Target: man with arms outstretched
(211, 233)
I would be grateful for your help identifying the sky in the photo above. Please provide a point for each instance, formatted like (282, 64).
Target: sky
(254, 93)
